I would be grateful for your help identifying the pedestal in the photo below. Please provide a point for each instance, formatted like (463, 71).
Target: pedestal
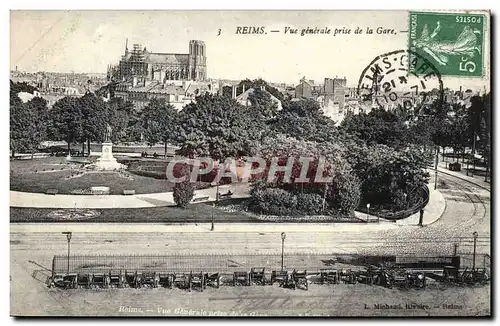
(107, 161)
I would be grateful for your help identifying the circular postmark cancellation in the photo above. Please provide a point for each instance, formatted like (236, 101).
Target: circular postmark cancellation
(389, 83)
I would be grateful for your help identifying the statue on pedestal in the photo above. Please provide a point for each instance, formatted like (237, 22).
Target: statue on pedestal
(107, 137)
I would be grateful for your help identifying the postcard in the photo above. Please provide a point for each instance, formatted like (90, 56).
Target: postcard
(250, 163)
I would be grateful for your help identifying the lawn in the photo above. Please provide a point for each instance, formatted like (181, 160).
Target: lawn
(227, 211)
(194, 213)
(39, 175)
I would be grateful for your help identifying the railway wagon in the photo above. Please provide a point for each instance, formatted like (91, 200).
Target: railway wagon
(409, 262)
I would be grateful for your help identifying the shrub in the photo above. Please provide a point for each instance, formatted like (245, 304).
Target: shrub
(183, 193)
(398, 200)
(344, 194)
(151, 174)
(274, 201)
(309, 203)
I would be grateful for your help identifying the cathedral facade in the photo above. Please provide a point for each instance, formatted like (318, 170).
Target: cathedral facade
(140, 66)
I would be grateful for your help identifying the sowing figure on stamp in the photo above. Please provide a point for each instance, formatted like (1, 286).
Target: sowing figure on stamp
(465, 44)
(107, 136)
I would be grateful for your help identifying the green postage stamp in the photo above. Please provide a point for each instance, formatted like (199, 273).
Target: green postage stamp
(453, 43)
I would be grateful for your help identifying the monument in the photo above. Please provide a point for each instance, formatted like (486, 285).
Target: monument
(107, 161)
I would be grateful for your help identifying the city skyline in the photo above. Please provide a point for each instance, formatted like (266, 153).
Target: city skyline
(88, 41)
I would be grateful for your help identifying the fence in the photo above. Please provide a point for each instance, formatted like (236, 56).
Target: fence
(225, 263)
(176, 263)
(393, 216)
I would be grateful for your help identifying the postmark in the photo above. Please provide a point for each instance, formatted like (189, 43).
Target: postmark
(452, 42)
(400, 79)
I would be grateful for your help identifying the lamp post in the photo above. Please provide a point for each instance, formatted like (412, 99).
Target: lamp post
(405, 195)
(473, 155)
(213, 207)
(475, 234)
(367, 212)
(283, 236)
(436, 168)
(68, 237)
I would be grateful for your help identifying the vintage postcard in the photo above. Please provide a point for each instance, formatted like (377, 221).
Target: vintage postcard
(250, 163)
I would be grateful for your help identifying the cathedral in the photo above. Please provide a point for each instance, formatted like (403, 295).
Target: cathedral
(141, 67)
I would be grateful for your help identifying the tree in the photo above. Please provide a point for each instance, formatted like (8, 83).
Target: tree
(66, 120)
(387, 173)
(257, 84)
(212, 126)
(27, 120)
(160, 122)
(17, 87)
(135, 128)
(94, 119)
(262, 105)
(377, 127)
(39, 111)
(118, 116)
(342, 194)
(22, 127)
(304, 120)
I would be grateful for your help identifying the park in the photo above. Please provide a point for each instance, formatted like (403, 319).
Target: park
(368, 168)
(95, 172)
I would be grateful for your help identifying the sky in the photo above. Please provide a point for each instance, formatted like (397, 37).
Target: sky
(87, 41)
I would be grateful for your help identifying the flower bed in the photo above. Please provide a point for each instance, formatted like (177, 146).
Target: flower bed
(242, 207)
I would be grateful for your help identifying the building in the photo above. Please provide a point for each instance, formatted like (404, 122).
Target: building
(140, 65)
(243, 97)
(178, 93)
(304, 89)
(335, 91)
(176, 77)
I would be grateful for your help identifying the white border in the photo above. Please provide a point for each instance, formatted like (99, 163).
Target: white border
(146, 4)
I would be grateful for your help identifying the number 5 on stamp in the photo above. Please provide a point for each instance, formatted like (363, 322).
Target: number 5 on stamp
(454, 43)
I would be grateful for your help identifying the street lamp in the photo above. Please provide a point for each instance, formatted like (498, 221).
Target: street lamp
(283, 236)
(475, 234)
(367, 212)
(213, 207)
(436, 168)
(405, 195)
(68, 237)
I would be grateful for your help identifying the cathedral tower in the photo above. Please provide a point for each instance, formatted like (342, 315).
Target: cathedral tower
(197, 60)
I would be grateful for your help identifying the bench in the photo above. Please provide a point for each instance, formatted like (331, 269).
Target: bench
(200, 199)
(181, 280)
(117, 278)
(241, 278)
(329, 276)
(167, 280)
(348, 276)
(52, 192)
(224, 196)
(129, 192)
(197, 280)
(212, 279)
(284, 278)
(151, 279)
(300, 279)
(258, 275)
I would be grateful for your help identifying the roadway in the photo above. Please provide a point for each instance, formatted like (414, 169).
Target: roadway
(467, 210)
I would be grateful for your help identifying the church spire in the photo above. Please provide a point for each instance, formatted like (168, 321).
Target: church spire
(126, 45)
